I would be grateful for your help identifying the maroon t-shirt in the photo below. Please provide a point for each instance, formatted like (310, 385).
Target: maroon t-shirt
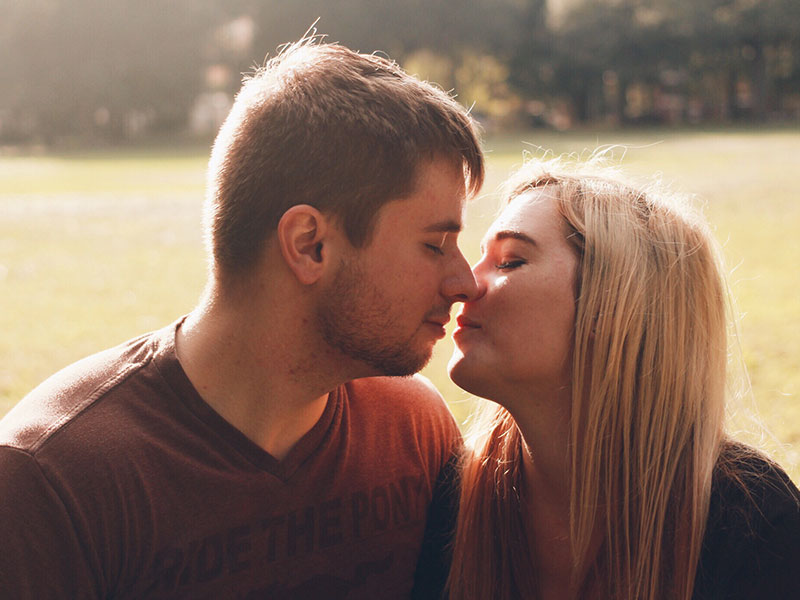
(118, 481)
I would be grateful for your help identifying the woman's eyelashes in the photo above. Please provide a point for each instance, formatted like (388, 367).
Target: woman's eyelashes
(504, 256)
(508, 265)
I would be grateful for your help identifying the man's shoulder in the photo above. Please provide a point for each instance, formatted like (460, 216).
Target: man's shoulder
(414, 391)
(69, 393)
(410, 406)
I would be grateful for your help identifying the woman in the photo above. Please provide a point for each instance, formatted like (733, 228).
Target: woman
(603, 471)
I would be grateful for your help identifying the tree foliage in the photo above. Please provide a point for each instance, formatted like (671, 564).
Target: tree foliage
(110, 68)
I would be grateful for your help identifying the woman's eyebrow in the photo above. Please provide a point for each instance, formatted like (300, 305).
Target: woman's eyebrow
(516, 235)
(506, 234)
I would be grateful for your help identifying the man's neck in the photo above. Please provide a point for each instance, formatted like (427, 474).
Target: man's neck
(257, 375)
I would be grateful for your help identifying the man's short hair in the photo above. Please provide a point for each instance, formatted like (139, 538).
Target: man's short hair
(323, 125)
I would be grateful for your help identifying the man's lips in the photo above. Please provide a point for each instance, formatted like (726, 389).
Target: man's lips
(441, 321)
(438, 323)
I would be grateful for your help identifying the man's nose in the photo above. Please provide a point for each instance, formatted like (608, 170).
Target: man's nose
(460, 284)
(479, 273)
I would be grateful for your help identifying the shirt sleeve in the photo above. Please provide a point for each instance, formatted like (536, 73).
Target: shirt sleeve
(41, 557)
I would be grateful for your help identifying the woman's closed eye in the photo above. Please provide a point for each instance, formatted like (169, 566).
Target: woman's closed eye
(508, 265)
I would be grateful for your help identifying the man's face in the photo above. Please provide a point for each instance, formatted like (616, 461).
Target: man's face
(390, 300)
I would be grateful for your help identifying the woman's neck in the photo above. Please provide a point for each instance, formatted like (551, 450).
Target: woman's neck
(545, 428)
(546, 505)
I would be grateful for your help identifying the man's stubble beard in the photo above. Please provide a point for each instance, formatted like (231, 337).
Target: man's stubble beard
(356, 320)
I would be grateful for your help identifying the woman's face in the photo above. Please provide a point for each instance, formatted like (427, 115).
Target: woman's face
(515, 338)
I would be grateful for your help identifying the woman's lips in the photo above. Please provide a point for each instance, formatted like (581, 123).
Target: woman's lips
(465, 326)
(464, 322)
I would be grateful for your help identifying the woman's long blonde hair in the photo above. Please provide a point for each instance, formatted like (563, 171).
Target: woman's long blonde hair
(647, 408)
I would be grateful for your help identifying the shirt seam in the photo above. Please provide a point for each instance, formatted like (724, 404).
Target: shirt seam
(90, 400)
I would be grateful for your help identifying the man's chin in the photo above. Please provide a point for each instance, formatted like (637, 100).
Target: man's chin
(404, 369)
(401, 364)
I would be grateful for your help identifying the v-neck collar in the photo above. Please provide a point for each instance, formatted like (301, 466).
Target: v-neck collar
(166, 360)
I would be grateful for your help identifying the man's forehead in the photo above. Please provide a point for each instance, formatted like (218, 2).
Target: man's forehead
(426, 214)
(436, 204)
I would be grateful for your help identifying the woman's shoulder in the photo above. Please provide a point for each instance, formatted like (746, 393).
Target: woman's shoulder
(751, 547)
(749, 485)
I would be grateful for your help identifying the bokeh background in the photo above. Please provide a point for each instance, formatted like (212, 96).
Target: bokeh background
(114, 70)
(108, 109)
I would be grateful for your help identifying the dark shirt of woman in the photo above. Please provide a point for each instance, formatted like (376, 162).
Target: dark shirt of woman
(751, 548)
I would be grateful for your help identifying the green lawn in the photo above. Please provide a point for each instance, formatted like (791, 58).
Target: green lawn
(97, 248)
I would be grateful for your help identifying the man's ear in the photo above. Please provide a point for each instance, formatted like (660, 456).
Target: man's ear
(302, 233)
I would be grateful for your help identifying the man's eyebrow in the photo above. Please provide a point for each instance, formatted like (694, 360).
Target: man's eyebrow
(447, 226)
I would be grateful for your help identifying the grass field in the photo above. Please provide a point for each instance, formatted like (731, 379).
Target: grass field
(97, 248)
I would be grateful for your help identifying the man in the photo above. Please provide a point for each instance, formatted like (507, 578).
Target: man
(250, 450)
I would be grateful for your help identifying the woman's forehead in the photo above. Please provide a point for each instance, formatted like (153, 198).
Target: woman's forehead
(533, 207)
(532, 214)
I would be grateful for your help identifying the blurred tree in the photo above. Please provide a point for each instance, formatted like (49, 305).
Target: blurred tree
(532, 56)
(603, 50)
(445, 27)
(461, 45)
(757, 32)
(112, 68)
(103, 67)
(750, 48)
